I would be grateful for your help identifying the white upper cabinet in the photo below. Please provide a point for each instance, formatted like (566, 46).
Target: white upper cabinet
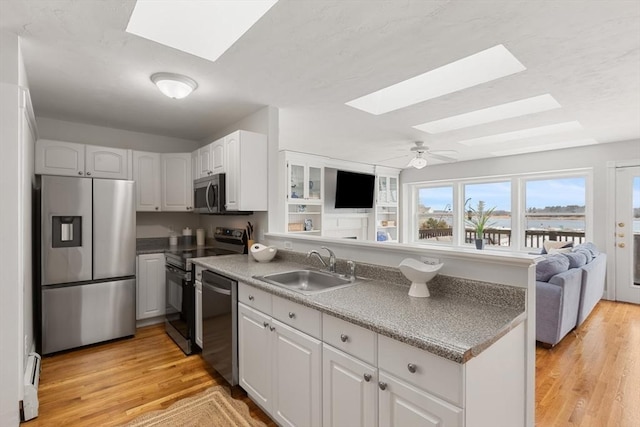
(305, 179)
(146, 174)
(59, 158)
(103, 162)
(245, 166)
(218, 156)
(205, 161)
(71, 159)
(177, 183)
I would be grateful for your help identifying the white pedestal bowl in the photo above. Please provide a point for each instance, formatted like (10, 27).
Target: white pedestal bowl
(419, 273)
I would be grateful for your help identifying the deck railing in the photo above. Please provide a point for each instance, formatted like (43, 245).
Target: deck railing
(502, 237)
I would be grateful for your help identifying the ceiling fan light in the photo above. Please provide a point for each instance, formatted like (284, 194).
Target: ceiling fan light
(174, 86)
(417, 162)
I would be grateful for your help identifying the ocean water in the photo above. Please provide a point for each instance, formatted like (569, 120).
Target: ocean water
(550, 224)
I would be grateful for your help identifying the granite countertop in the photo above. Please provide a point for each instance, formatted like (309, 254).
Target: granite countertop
(445, 324)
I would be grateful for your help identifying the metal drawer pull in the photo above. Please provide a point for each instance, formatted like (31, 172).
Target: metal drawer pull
(412, 368)
(344, 338)
(367, 377)
(265, 324)
(291, 315)
(273, 328)
(383, 386)
(250, 297)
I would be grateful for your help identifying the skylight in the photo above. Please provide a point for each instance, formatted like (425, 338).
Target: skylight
(545, 147)
(509, 110)
(524, 133)
(202, 28)
(482, 67)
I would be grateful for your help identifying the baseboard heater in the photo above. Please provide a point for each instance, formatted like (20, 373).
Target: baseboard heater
(29, 406)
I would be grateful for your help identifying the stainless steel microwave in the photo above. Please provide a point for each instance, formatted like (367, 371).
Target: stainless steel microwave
(209, 194)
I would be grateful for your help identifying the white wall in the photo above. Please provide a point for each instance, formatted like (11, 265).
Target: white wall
(160, 224)
(593, 156)
(110, 137)
(16, 178)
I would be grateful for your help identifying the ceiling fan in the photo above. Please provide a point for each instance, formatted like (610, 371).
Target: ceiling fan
(420, 150)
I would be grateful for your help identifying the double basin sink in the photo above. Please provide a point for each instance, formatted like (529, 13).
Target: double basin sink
(308, 282)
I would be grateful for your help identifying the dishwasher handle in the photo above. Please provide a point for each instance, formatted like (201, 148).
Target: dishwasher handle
(216, 289)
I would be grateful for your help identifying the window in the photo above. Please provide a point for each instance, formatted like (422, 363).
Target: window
(433, 215)
(528, 209)
(555, 209)
(494, 196)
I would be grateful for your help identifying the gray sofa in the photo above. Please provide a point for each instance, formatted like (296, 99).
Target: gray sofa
(568, 286)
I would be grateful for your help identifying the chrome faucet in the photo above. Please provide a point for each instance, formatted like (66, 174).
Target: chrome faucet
(332, 258)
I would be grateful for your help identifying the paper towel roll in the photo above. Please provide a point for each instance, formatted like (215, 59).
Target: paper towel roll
(200, 236)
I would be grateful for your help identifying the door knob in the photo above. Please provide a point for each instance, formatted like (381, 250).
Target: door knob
(88, 173)
(367, 377)
(383, 386)
(265, 324)
(621, 245)
(291, 315)
(344, 338)
(250, 297)
(412, 368)
(79, 173)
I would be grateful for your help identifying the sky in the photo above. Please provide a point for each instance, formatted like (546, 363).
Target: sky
(539, 194)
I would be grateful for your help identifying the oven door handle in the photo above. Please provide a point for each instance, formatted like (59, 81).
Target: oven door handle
(216, 289)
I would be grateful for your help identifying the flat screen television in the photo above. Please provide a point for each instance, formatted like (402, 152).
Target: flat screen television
(354, 190)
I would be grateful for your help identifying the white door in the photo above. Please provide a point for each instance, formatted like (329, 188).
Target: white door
(232, 165)
(150, 286)
(404, 405)
(177, 185)
(106, 162)
(254, 355)
(297, 377)
(350, 390)
(146, 174)
(218, 156)
(204, 161)
(627, 251)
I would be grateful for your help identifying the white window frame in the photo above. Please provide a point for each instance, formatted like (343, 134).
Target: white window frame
(518, 205)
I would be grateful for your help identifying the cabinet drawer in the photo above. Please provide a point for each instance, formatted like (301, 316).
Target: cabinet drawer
(254, 298)
(432, 373)
(302, 318)
(352, 339)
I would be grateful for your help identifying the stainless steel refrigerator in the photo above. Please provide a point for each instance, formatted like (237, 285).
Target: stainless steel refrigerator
(87, 258)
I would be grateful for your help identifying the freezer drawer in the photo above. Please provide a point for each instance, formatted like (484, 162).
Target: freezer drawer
(73, 316)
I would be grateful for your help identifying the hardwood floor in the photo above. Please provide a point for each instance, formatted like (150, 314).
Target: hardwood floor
(112, 383)
(592, 377)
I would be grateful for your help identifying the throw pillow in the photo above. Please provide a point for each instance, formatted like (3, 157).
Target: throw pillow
(589, 247)
(587, 253)
(550, 266)
(554, 244)
(559, 251)
(576, 259)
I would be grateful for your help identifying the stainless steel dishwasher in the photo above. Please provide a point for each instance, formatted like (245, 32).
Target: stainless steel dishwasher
(220, 324)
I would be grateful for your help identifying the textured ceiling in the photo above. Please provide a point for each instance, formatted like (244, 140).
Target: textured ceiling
(310, 57)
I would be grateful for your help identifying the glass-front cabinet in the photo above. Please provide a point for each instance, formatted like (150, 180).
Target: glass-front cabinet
(386, 220)
(305, 182)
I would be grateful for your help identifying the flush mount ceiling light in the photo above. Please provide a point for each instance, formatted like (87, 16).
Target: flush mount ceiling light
(482, 67)
(174, 86)
(202, 28)
(509, 110)
(524, 133)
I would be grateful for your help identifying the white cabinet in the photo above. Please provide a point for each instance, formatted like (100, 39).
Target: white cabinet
(218, 156)
(280, 367)
(198, 286)
(204, 163)
(150, 286)
(103, 162)
(402, 404)
(209, 160)
(59, 158)
(304, 184)
(386, 220)
(146, 174)
(177, 183)
(350, 390)
(71, 159)
(246, 171)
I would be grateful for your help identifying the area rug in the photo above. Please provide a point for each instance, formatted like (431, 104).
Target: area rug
(212, 408)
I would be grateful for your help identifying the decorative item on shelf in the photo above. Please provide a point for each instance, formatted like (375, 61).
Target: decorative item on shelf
(419, 273)
(262, 253)
(302, 208)
(200, 235)
(381, 236)
(479, 218)
(295, 226)
(308, 224)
